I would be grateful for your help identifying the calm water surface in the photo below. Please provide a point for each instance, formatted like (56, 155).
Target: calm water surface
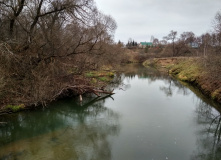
(151, 117)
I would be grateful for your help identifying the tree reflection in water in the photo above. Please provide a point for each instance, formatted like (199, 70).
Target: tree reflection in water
(174, 86)
(209, 144)
(152, 75)
(65, 131)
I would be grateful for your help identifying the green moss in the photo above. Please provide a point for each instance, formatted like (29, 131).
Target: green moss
(103, 79)
(15, 108)
(89, 74)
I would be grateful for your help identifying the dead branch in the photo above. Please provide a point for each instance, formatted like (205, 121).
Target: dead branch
(102, 91)
(3, 122)
(81, 89)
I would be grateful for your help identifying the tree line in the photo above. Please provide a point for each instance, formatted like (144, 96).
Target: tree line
(187, 43)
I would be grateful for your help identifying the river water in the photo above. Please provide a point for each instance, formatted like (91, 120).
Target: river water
(151, 117)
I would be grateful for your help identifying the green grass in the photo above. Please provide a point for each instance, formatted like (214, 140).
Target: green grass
(96, 76)
(90, 74)
(15, 108)
(186, 70)
(99, 74)
(103, 79)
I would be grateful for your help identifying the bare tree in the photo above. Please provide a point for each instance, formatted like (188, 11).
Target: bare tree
(217, 22)
(172, 37)
(217, 31)
(206, 41)
(13, 10)
(51, 40)
(187, 37)
(156, 42)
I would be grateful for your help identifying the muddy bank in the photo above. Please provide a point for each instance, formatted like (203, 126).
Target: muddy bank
(190, 70)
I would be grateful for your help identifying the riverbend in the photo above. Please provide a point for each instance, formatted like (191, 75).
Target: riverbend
(151, 117)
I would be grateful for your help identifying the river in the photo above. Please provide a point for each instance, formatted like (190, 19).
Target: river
(150, 117)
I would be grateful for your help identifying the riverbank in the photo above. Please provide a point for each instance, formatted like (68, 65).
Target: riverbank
(192, 70)
(93, 82)
(155, 105)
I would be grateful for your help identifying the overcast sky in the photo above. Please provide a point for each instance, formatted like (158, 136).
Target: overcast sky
(139, 19)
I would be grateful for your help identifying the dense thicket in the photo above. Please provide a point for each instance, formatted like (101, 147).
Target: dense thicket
(46, 44)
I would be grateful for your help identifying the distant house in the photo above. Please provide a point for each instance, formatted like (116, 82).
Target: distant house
(145, 44)
(193, 45)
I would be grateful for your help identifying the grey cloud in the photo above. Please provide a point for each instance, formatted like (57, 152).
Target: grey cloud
(142, 18)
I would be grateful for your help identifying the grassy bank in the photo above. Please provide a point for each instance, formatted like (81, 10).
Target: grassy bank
(193, 71)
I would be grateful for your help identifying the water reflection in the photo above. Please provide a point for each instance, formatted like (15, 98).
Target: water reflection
(170, 87)
(66, 131)
(208, 138)
(207, 112)
(133, 70)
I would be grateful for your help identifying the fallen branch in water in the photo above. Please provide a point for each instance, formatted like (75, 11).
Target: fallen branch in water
(3, 122)
(81, 89)
(102, 91)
